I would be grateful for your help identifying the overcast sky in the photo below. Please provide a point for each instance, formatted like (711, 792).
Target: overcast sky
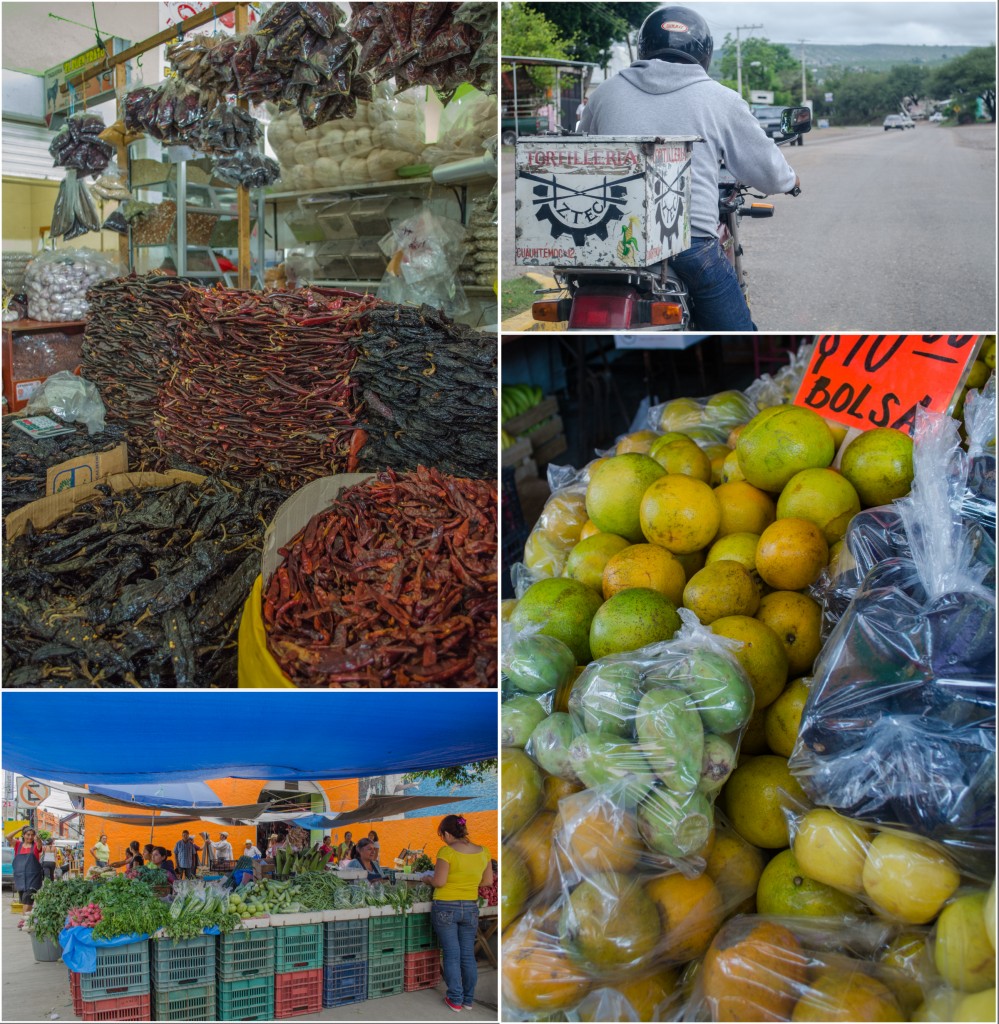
(855, 21)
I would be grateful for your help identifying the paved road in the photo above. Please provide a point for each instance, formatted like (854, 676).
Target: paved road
(892, 231)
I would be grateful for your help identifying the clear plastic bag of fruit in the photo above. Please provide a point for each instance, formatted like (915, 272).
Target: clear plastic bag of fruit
(657, 730)
(760, 967)
(706, 420)
(899, 725)
(894, 874)
(979, 501)
(560, 525)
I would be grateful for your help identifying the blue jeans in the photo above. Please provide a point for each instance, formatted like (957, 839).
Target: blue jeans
(456, 923)
(714, 288)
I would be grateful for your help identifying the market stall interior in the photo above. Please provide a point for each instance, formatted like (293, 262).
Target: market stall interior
(179, 411)
(748, 674)
(241, 895)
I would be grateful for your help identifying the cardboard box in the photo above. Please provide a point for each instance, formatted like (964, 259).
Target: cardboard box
(52, 508)
(86, 469)
(618, 201)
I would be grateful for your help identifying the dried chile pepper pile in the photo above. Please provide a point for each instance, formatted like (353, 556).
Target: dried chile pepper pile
(262, 385)
(129, 348)
(392, 585)
(437, 44)
(429, 388)
(26, 459)
(138, 588)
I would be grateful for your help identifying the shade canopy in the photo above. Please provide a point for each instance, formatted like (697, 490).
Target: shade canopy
(113, 737)
(375, 808)
(162, 794)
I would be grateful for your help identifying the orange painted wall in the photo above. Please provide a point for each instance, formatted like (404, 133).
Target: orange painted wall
(342, 795)
(414, 833)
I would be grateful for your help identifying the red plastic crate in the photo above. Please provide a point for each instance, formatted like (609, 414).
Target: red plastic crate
(297, 993)
(421, 970)
(76, 993)
(122, 1008)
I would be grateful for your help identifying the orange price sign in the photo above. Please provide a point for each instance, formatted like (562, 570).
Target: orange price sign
(878, 380)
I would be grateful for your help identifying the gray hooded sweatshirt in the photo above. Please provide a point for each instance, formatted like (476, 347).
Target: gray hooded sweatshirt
(655, 97)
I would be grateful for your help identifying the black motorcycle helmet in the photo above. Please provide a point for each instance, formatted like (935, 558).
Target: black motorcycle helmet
(676, 34)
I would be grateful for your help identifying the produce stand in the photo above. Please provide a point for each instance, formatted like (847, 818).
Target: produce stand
(729, 686)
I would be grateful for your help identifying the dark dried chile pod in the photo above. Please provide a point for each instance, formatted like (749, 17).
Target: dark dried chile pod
(322, 18)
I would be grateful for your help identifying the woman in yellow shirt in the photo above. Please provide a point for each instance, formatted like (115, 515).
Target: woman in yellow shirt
(461, 868)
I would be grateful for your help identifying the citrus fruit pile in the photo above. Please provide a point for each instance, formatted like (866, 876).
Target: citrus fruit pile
(632, 897)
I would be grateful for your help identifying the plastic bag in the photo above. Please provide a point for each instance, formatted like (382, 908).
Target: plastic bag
(74, 213)
(247, 167)
(899, 725)
(56, 282)
(424, 269)
(705, 420)
(78, 145)
(979, 501)
(73, 399)
(466, 122)
(793, 968)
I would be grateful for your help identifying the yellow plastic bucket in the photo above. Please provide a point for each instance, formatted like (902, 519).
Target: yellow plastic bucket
(256, 668)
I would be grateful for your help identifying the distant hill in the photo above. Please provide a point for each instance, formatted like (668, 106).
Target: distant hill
(873, 56)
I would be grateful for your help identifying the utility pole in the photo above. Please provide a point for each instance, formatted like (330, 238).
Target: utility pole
(738, 53)
(803, 96)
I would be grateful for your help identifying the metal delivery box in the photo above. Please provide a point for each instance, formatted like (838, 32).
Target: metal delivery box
(602, 200)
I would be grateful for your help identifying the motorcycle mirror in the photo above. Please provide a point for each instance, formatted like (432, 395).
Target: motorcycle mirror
(795, 120)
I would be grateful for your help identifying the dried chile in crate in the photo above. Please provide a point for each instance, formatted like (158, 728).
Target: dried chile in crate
(429, 387)
(139, 588)
(27, 459)
(394, 585)
(262, 385)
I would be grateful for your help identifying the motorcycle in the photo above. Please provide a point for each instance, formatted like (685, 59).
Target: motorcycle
(654, 297)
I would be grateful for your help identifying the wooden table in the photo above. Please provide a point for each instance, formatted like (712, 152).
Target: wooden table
(488, 927)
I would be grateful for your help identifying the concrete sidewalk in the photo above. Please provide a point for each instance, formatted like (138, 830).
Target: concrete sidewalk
(40, 992)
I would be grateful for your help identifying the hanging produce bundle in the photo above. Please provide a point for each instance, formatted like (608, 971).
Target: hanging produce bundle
(300, 57)
(78, 145)
(438, 44)
(205, 62)
(228, 129)
(171, 112)
(129, 349)
(262, 385)
(26, 459)
(393, 585)
(248, 167)
(134, 587)
(429, 387)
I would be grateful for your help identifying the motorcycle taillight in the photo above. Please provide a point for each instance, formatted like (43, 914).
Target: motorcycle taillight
(604, 310)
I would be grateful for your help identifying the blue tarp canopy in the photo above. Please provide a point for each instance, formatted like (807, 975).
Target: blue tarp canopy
(163, 794)
(116, 737)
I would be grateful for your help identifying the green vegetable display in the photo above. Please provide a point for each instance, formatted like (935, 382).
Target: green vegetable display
(53, 902)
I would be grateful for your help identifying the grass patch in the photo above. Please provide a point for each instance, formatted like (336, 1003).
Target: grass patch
(517, 296)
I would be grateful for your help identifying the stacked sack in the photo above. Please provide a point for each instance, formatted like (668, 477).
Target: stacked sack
(479, 263)
(386, 134)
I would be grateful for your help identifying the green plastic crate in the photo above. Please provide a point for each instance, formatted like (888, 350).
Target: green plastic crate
(386, 936)
(248, 999)
(182, 963)
(195, 1002)
(121, 971)
(298, 947)
(386, 976)
(420, 934)
(345, 942)
(245, 954)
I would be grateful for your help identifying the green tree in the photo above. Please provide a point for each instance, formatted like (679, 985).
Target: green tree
(460, 774)
(528, 33)
(594, 27)
(969, 76)
(907, 81)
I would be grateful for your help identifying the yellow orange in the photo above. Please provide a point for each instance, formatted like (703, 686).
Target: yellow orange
(640, 441)
(791, 554)
(822, 496)
(691, 911)
(719, 589)
(587, 559)
(753, 801)
(686, 458)
(760, 653)
(679, 513)
(744, 508)
(644, 565)
(797, 621)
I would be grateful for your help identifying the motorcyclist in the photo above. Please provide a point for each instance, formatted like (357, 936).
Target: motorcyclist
(667, 91)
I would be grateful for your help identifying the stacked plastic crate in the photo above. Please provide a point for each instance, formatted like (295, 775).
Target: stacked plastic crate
(244, 975)
(386, 949)
(298, 969)
(345, 960)
(183, 978)
(422, 961)
(119, 987)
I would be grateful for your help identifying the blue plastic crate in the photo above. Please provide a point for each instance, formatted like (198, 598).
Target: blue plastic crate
(345, 942)
(345, 983)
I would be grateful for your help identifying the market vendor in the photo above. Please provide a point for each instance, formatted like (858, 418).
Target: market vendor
(27, 866)
(101, 851)
(223, 848)
(364, 858)
(346, 849)
(161, 860)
